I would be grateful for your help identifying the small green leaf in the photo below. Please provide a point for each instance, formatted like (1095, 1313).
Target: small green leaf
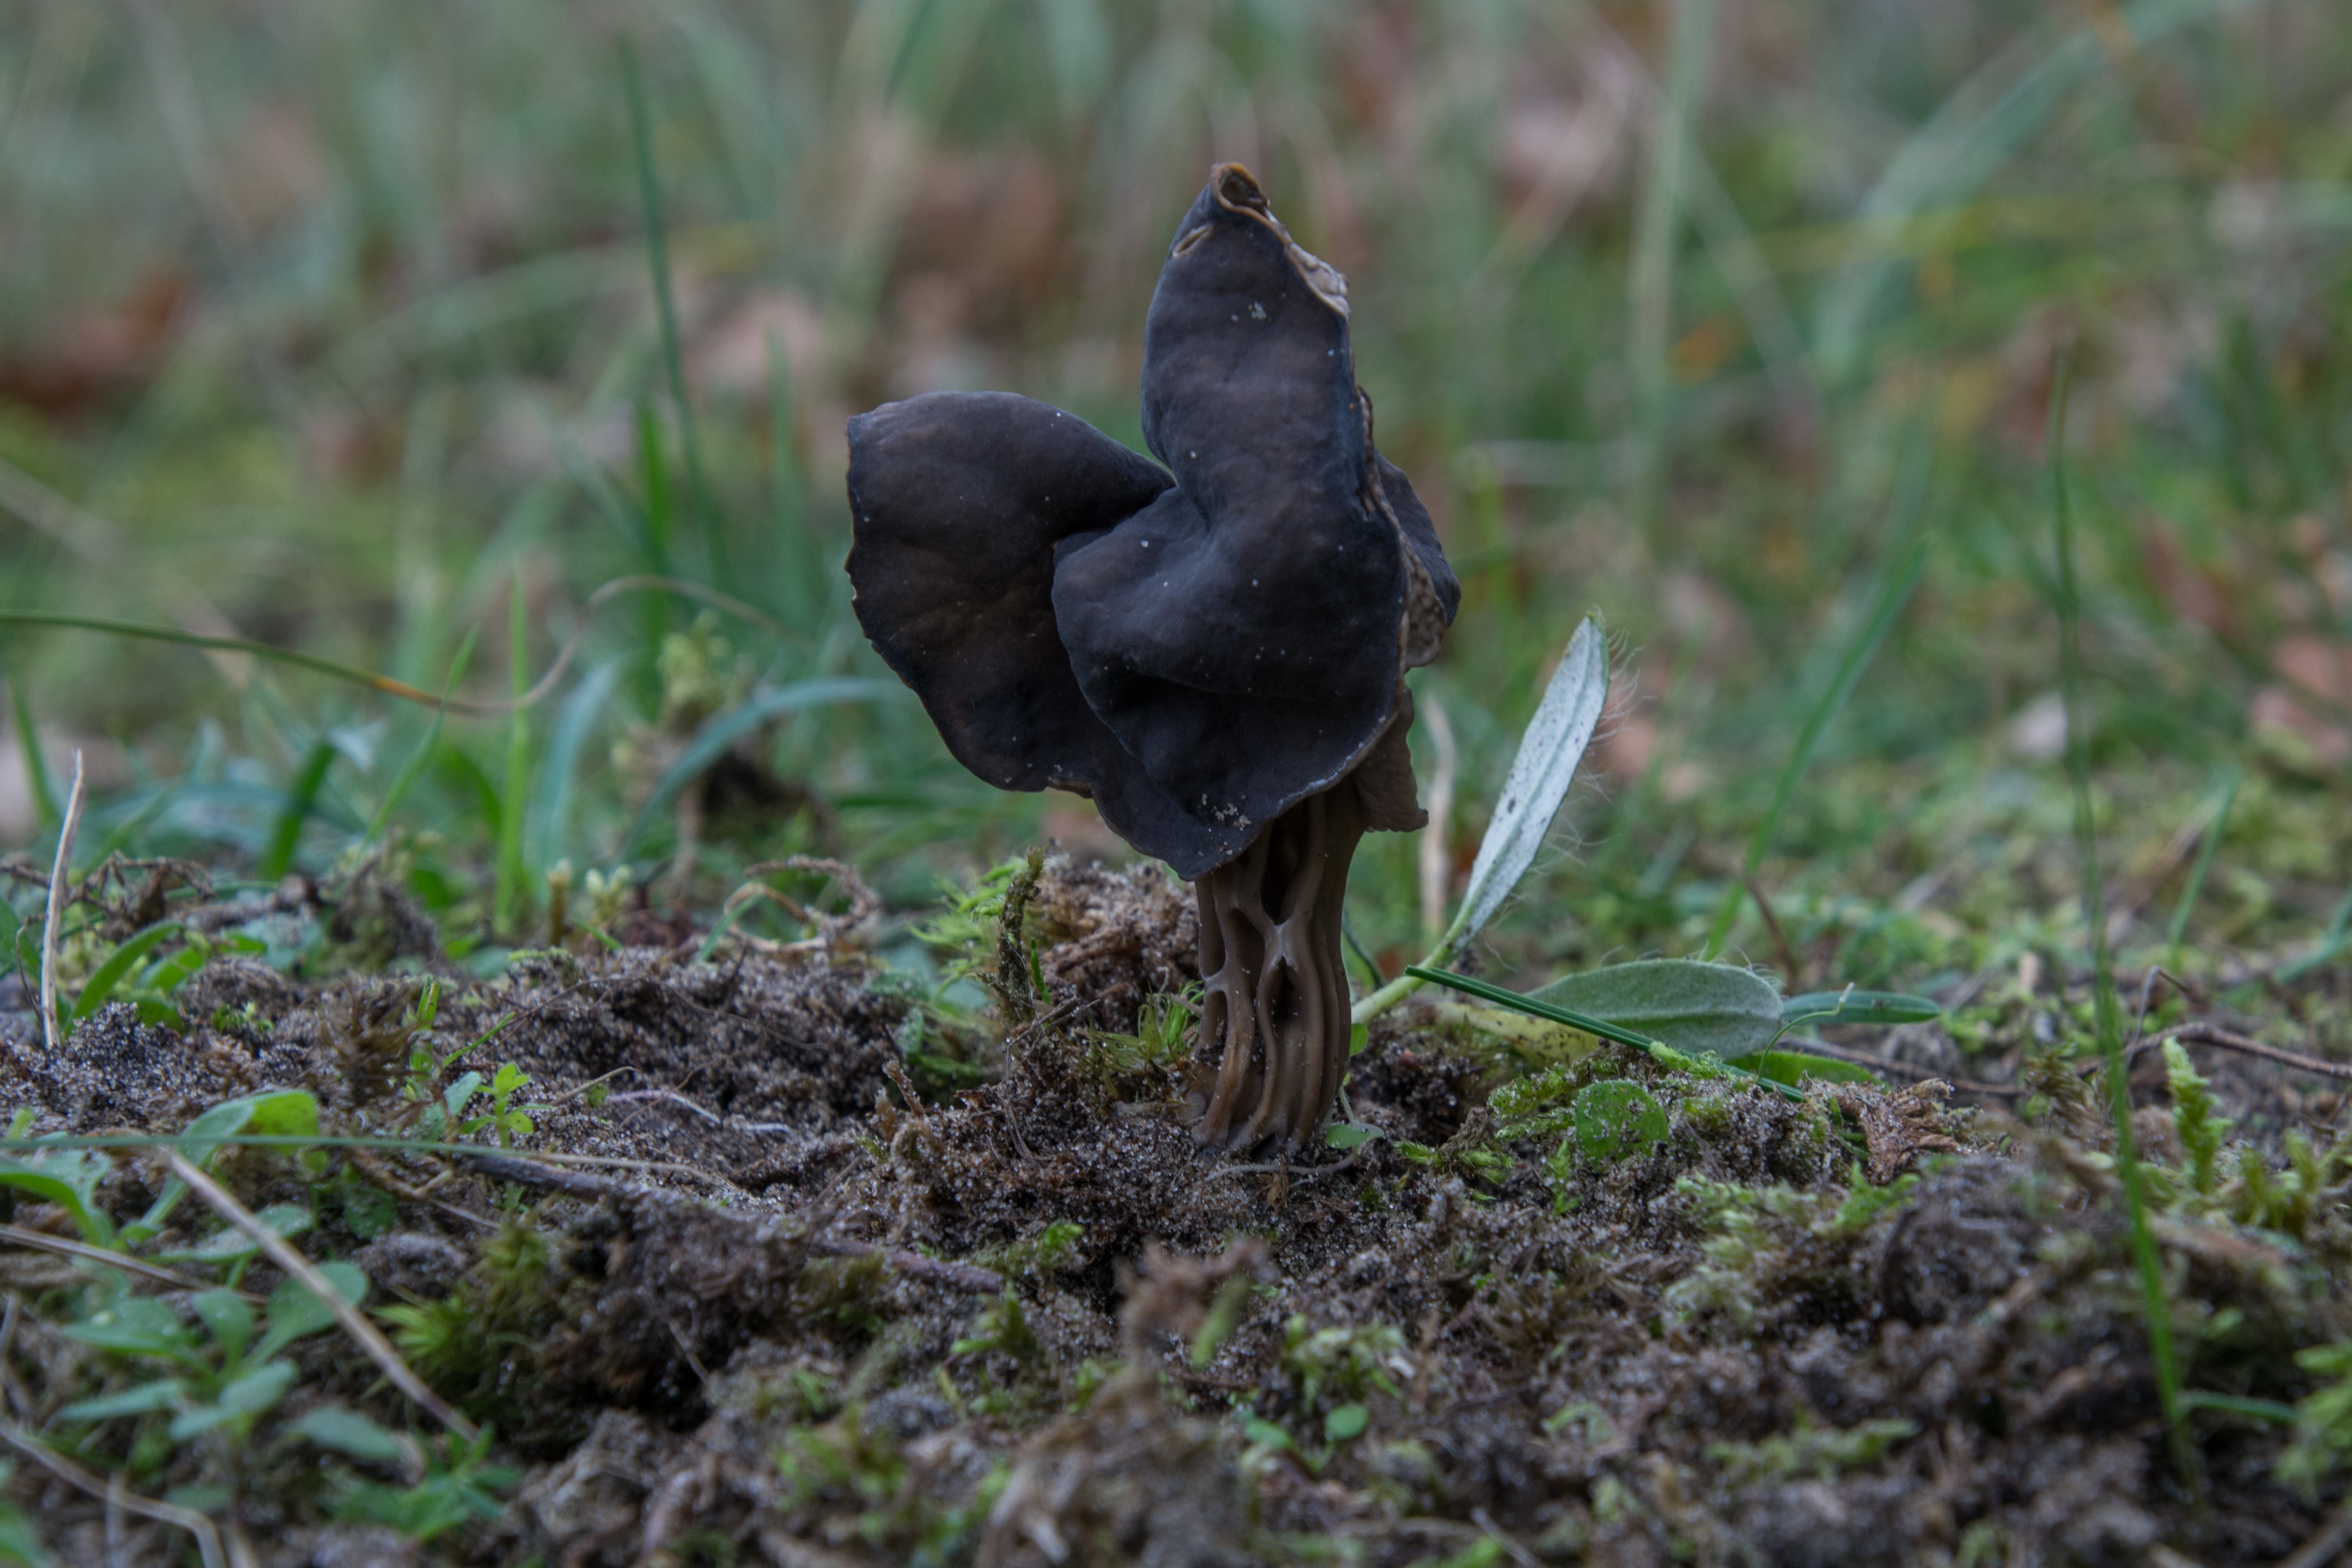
(139, 1401)
(1346, 1422)
(226, 1246)
(1850, 1006)
(175, 970)
(284, 1114)
(68, 1178)
(119, 963)
(1704, 1009)
(258, 1390)
(1618, 1119)
(225, 1313)
(368, 1212)
(279, 1113)
(294, 1312)
(1796, 1066)
(20, 1538)
(1549, 751)
(1264, 1434)
(1348, 1136)
(455, 1097)
(135, 1325)
(1540, 1039)
(348, 1432)
(250, 1395)
(1358, 1036)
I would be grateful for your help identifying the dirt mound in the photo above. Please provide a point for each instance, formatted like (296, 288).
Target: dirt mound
(789, 1312)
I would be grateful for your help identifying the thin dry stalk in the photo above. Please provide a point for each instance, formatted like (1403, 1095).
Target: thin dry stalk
(2209, 1034)
(56, 914)
(2213, 1035)
(2321, 1547)
(363, 1334)
(1436, 855)
(1791, 964)
(16, 1235)
(208, 1540)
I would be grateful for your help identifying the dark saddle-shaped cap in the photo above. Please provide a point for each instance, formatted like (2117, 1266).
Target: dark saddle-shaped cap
(1198, 647)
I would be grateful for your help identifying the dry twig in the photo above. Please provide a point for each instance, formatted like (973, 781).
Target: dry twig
(2322, 1549)
(208, 1538)
(40, 1241)
(365, 1334)
(2213, 1035)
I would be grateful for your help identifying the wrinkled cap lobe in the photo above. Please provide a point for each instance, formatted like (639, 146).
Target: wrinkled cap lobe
(1199, 656)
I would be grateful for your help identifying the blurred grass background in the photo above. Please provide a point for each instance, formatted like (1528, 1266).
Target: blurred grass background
(336, 324)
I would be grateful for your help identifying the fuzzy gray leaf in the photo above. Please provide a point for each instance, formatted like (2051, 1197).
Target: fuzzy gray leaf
(1539, 776)
(1691, 1006)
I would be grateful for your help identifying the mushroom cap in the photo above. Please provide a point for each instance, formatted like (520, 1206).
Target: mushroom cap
(1198, 653)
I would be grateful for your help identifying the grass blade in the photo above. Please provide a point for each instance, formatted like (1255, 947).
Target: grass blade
(1650, 288)
(2339, 937)
(302, 795)
(1979, 127)
(673, 358)
(107, 976)
(28, 744)
(654, 472)
(1893, 593)
(411, 771)
(511, 895)
(2196, 885)
(558, 769)
(725, 729)
(2107, 1009)
(309, 661)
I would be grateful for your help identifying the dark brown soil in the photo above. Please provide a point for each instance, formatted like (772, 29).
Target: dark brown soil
(1031, 1323)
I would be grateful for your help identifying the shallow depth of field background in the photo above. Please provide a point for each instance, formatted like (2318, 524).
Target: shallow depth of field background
(325, 323)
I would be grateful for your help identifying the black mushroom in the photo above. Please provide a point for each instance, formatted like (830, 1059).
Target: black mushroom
(1213, 651)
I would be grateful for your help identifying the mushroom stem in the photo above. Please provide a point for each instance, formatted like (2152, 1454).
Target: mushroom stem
(1274, 1013)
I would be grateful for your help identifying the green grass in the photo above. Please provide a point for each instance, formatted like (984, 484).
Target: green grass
(2107, 1009)
(479, 310)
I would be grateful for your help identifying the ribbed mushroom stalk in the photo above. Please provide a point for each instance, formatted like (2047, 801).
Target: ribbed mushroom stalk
(1274, 1005)
(1215, 652)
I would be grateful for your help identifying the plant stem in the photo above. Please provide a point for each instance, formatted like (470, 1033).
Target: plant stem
(1657, 1050)
(2107, 1009)
(1405, 985)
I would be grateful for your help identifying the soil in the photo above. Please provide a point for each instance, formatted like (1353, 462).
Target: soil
(786, 1315)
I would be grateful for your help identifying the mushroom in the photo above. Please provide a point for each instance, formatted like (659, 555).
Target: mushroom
(1213, 651)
